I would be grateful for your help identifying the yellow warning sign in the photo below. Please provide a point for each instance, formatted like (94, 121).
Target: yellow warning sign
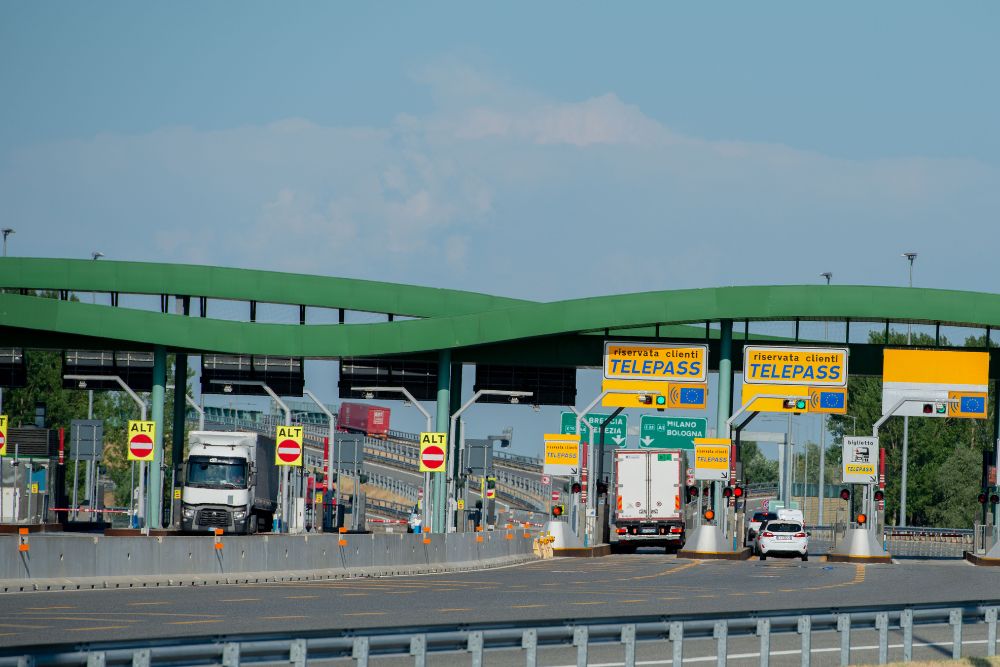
(141, 439)
(3, 435)
(288, 440)
(433, 451)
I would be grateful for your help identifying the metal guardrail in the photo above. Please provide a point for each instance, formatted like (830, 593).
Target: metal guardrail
(527, 638)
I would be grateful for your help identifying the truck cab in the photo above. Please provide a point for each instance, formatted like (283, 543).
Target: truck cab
(222, 484)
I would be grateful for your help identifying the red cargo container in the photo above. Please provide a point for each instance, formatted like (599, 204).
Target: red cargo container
(359, 417)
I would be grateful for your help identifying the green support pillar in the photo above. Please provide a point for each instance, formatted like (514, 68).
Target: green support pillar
(154, 491)
(996, 450)
(724, 395)
(456, 403)
(180, 410)
(441, 425)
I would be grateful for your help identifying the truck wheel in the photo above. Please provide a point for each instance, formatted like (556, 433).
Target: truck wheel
(252, 525)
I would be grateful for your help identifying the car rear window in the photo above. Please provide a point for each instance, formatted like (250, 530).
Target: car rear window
(780, 527)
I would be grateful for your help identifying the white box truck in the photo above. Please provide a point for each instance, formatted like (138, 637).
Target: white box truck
(230, 482)
(649, 499)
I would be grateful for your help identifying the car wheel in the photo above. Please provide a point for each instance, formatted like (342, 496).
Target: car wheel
(763, 556)
(805, 556)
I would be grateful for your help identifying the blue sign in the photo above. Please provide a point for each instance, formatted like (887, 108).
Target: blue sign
(832, 400)
(692, 396)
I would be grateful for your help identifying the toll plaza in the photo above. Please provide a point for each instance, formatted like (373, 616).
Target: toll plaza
(660, 352)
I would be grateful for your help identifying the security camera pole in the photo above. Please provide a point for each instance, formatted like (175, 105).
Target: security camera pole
(452, 464)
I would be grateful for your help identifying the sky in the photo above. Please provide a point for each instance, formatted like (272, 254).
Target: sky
(542, 151)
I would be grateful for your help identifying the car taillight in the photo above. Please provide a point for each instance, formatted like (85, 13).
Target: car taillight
(767, 533)
(800, 534)
(676, 530)
(622, 531)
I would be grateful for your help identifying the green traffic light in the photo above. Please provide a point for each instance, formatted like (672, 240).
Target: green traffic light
(661, 400)
(800, 405)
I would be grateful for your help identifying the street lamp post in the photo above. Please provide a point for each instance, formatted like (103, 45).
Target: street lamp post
(429, 425)
(450, 462)
(7, 231)
(910, 256)
(822, 431)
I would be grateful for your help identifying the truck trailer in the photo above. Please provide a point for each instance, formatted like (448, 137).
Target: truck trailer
(362, 418)
(649, 503)
(230, 482)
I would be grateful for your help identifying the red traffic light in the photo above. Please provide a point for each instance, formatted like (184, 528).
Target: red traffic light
(727, 492)
(738, 491)
(692, 491)
(576, 488)
(981, 498)
(928, 408)
(845, 494)
(995, 499)
(557, 510)
(879, 495)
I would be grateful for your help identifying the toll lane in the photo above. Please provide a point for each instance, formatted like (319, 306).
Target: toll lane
(642, 584)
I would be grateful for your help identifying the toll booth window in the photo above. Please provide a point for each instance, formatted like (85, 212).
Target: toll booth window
(211, 471)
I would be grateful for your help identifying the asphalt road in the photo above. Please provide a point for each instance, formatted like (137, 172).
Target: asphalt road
(616, 586)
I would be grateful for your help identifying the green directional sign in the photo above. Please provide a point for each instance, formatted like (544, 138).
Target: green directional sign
(671, 432)
(614, 435)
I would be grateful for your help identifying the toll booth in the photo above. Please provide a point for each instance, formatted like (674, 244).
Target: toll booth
(32, 482)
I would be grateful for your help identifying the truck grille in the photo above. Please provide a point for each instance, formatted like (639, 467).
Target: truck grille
(213, 518)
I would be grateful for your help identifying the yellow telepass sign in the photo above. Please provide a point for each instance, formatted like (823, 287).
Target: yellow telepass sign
(945, 367)
(711, 458)
(3, 435)
(562, 454)
(810, 366)
(660, 362)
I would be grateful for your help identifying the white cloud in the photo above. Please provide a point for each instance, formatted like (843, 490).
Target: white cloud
(497, 189)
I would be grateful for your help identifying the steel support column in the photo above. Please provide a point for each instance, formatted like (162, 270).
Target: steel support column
(154, 497)
(441, 424)
(724, 395)
(177, 440)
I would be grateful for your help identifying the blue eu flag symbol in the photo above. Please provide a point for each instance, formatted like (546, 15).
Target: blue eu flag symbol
(973, 405)
(831, 400)
(692, 396)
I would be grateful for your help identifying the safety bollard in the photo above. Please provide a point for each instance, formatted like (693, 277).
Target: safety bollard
(479, 533)
(22, 540)
(218, 539)
(427, 534)
(509, 535)
(526, 535)
(343, 531)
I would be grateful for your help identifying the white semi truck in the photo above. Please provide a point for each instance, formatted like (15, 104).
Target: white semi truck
(230, 482)
(649, 499)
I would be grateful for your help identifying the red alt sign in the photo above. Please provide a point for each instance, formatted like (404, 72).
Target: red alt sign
(289, 451)
(432, 456)
(141, 436)
(555, 495)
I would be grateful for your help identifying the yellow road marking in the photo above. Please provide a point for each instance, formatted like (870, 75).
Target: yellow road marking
(103, 627)
(353, 595)
(279, 618)
(367, 613)
(211, 620)
(301, 597)
(240, 600)
(145, 604)
(20, 625)
(526, 606)
(47, 608)
(457, 609)
(632, 601)
(583, 603)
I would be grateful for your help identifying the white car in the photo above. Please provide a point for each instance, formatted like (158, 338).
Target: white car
(783, 537)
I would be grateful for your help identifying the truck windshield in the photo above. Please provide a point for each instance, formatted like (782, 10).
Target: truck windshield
(216, 472)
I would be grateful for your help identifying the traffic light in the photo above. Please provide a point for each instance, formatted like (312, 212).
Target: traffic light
(981, 498)
(845, 494)
(576, 488)
(602, 488)
(692, 492)
(994, 499)
(709, 515)
(862, 519)
(727, 492)
(558, 510)
(879, 495)
(658, 400)
(798, 404)
(491, 483)
(738, 491)
(646, 399)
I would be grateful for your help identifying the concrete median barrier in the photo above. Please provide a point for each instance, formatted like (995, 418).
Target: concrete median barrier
(66, 561)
